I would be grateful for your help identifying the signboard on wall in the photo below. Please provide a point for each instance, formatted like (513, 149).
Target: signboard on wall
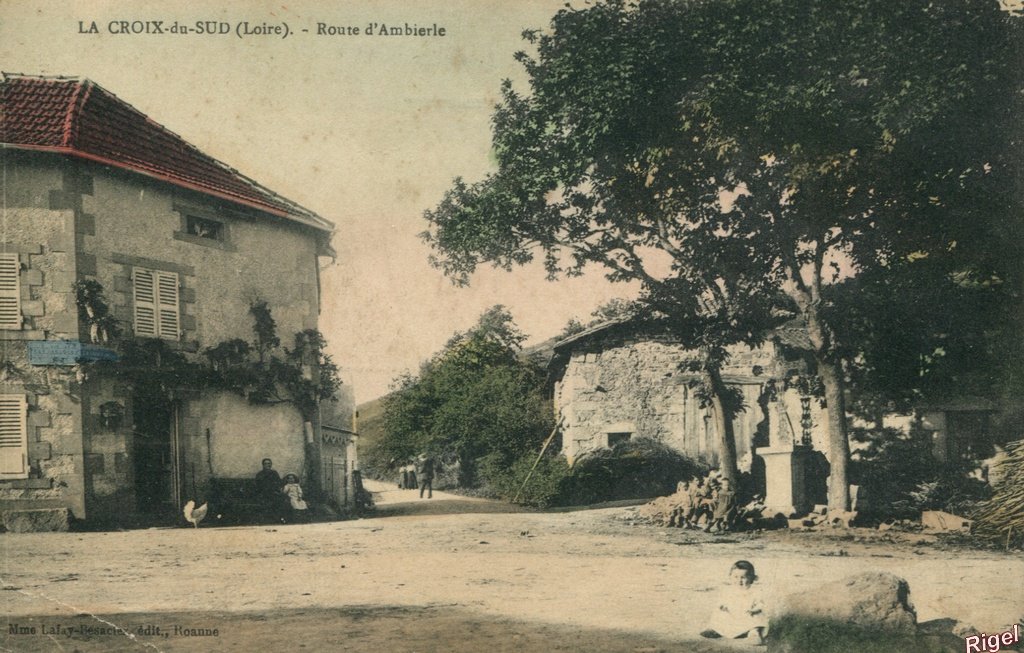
(66, 352)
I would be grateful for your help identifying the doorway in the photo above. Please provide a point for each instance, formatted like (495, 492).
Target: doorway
(157, 463)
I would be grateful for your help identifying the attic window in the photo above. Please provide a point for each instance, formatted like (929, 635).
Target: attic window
(204, 228)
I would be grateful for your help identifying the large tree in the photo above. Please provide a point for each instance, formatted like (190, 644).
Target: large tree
(474, 398)
(929, 331)
(731, 152)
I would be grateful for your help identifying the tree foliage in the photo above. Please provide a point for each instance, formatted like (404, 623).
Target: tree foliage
(94, 311)
(923, 334)
(475, 398)
(730, 153)
(616, 308)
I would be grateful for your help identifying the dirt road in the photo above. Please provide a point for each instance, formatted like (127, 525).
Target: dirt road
(445, 574)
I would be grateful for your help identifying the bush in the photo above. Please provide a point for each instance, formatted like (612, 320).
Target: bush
(447, 472)
(902, 477)
(635, 469)
(957, 494)
(546, 484)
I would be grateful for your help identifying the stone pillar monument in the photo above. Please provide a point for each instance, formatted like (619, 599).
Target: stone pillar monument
(785, 465)
(785, 473)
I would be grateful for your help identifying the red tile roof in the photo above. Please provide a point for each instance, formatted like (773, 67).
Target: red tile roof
(80, 118)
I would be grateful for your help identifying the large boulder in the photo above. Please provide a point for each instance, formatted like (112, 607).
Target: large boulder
(861, 612)
(36, 521)
(871, 599)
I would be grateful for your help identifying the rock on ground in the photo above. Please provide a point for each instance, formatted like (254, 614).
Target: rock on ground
(876, 600)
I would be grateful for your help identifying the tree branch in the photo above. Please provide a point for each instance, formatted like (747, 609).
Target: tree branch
(819, 261)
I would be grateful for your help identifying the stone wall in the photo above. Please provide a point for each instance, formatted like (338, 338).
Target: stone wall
(138, 223)
(107, 448)
(141, 223)
(643, 387)
(41, 228)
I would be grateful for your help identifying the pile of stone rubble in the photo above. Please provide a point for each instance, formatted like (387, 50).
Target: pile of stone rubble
(693, 504)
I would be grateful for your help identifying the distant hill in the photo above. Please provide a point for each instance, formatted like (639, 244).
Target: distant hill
(370, 425)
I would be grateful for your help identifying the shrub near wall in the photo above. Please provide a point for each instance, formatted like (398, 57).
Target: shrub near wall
(542, 486)
(635, 469)
(902, 477)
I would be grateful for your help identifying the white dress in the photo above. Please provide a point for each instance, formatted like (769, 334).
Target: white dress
(738, 610)
(294, 492)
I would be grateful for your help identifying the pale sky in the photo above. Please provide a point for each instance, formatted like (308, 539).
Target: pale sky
(368, 131)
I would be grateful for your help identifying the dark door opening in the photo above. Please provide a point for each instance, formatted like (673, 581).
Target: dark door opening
(155, 461)
(968, 435)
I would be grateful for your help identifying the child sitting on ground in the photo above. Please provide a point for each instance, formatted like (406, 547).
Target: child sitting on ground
(740, 610)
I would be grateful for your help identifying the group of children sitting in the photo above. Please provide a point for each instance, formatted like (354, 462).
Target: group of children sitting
(706, 502)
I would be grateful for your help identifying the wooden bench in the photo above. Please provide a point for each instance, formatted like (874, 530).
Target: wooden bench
(234, 501)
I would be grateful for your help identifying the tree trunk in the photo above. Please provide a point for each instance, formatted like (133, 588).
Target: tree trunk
(723, 424)
(831, 375)
(838, 444)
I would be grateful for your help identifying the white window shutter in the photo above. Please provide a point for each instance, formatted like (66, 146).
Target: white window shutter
(144, 300)
(13, 437)
(168, 305)
(157, 304)
(10, 291)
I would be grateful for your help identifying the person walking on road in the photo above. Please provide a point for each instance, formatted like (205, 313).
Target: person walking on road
(427, 476)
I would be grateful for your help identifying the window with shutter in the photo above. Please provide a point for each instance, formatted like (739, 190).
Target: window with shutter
(10, 292)
(157, 308)
(167, 304)
(13, 437)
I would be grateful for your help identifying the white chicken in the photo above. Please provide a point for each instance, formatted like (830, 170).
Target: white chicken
(194, 515)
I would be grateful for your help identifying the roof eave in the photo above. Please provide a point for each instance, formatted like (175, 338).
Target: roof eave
(586, 333)
(311, 220)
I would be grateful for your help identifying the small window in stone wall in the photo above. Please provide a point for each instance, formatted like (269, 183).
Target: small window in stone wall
(111, 415)
(204, 228)
(616, 438)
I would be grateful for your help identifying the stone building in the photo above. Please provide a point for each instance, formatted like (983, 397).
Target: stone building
(619, 381)
(339, 454)
(181, 246)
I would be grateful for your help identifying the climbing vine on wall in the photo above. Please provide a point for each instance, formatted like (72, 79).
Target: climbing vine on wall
(262, 371)
(94, 312)
(265, 372)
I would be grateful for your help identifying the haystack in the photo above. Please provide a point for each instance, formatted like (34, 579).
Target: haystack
(1001, 518)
